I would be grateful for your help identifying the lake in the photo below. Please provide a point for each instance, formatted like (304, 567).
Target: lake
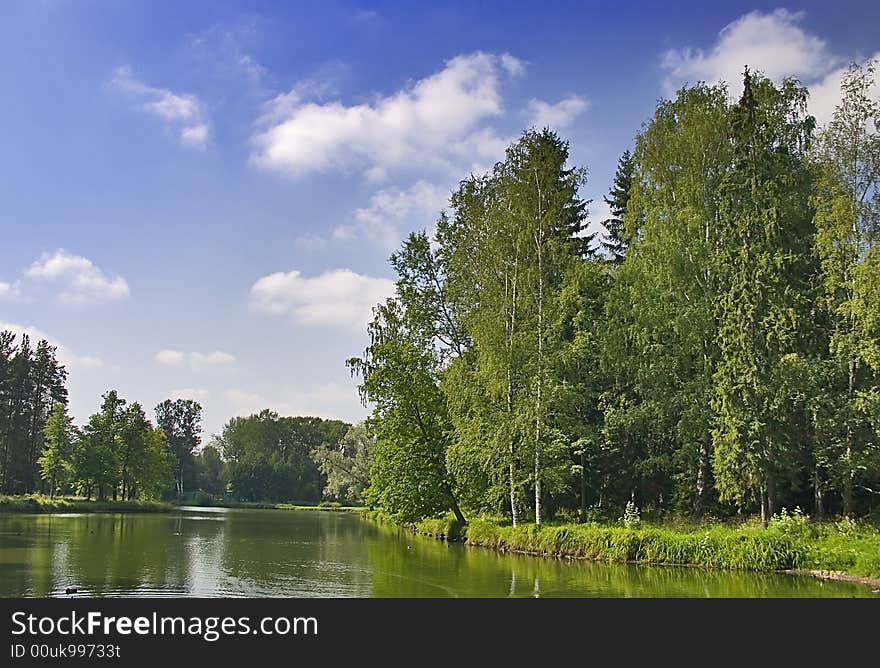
(216, 552)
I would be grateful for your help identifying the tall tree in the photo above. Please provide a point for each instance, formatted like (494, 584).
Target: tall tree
(660, 342)
(615, 241)
(764, 290)
(846, 195)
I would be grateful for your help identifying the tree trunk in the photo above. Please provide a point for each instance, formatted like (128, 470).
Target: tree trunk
(771, 496)
(456, 510)
(582, 516)
(510, 332)
(818, 496)
(765, 519)
(702, 474)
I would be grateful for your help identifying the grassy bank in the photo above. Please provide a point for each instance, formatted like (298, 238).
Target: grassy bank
(791, 543)
(37, 503)
(261, 505)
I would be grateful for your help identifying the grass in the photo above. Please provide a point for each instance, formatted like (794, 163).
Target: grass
(39, 503)
(792, 542)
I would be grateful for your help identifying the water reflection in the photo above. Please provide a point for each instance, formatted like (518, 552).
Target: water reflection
(218, 552)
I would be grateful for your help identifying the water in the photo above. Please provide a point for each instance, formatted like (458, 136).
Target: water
(234, 552)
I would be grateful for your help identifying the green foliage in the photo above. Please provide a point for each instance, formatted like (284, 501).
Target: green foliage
(616, 242)
(346, 464)
(39, 503)
(269, 458)
(31, 384)
(181, 421)
(632, 517)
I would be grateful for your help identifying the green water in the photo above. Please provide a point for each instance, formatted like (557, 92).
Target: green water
(233, 552)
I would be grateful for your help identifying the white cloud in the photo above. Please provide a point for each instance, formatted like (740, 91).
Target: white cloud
(216, 358)
(416, 125)
(825, 93)
(170, 357)
(392, 210)
(774, 44)
(194, 360)
(182, 113)
(198, 394)
(335, 298)
(599, 211)
(77, 278)
(329, 401)
(65, 355)
(8, 289)
(556, 116)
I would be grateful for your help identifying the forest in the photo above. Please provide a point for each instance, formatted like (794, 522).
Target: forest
(716, 354)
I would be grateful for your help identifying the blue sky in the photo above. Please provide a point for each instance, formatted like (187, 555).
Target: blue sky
(198, 199)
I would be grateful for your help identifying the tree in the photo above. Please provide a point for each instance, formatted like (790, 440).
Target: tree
(659, 346)
(765, 236)
(211, 469)
(846, 194)
(96, 457)
(268, 456)
(399, 370)
(55, 460)
(346, 465)
(181, 421)
(31, 382)
(615, 242)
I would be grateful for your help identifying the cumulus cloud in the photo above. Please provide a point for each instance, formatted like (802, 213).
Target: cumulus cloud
(339, 298)
(825, 93)
(7, 289)
(76, 278)
(416, 125)
(391, 210)
(181, 113)
(194, 360)
(775, 44)
(65, 355)
(196, 393)
(556, 116)
(330, 401)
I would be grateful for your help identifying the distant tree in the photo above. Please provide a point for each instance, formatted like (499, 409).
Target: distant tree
(346, 464)
(268, 456)
(55, 460)
(211, 470)
(181, 420)
(31, 382)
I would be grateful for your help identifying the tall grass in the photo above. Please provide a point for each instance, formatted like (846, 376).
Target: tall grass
(786, 545)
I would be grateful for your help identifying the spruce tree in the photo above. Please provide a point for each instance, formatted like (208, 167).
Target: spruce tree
(615, 242)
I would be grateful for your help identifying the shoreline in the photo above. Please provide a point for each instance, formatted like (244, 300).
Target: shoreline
(45, 506)
(646, 546)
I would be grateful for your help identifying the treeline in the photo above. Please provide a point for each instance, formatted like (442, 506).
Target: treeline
(720, 354)
(120, 454)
